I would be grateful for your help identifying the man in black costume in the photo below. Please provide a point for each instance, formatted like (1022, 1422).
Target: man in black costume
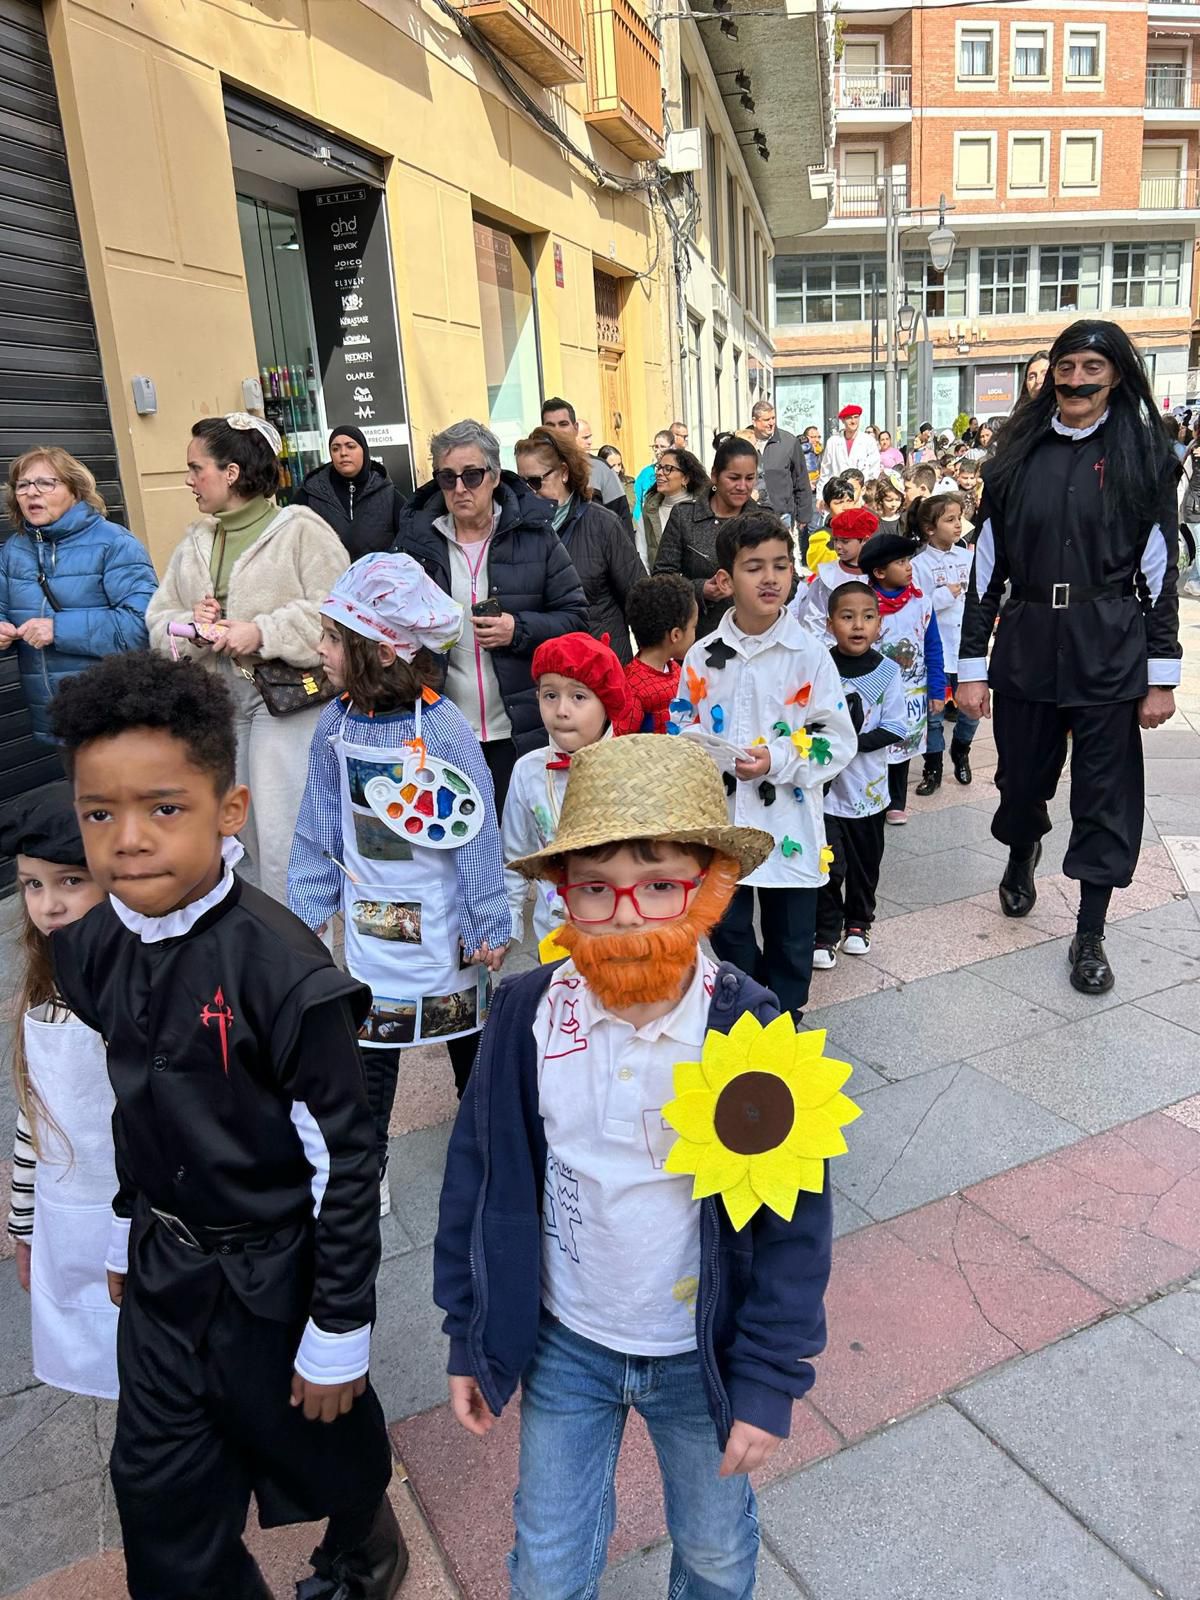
(1079, 516)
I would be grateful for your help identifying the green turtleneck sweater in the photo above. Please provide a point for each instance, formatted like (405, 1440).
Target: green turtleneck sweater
(237, 529)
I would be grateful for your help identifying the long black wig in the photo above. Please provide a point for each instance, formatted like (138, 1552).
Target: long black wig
(1140, 466)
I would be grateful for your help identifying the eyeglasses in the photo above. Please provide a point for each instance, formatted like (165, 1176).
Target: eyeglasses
(668, 466)
(535, 480)
(470, 478)
(42, 485)
(656, 900)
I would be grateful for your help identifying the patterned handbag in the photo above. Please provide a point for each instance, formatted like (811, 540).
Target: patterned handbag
(286, 689)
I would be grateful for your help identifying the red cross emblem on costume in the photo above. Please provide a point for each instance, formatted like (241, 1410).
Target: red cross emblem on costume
(217, 1011)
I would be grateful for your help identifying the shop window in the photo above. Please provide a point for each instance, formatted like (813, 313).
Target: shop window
(1070, 277)
(1147, 274)
(1003, 278)
(800, 401)
(508, 319)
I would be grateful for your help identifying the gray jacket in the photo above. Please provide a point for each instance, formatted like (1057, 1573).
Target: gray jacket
(786, 473)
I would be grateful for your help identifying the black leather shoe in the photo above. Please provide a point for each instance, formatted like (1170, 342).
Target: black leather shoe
(931, 778)
(370, 1570)
(1090, 971)
(1018, 891)
(960, 756)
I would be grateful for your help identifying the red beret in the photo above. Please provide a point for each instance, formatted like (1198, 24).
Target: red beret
(590, 662)
(857, 523)
(849, 411)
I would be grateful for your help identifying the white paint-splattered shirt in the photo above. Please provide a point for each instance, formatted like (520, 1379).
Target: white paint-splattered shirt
(620, 1236)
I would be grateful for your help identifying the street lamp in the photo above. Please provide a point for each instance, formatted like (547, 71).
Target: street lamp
(902, 319)
(905, 317)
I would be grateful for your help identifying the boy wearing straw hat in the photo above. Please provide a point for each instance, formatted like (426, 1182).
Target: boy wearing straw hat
(572, 1255)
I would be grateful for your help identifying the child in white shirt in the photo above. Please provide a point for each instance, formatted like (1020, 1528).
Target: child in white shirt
(943, 569)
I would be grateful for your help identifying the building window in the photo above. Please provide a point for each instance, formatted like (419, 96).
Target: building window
(1079, 167)
(686, 103)
(508, 316)
(935, 293)
(977, 54)
(975, 163)
(1028, 162)
(748, 273)
(1147, 274)
(1084, 55)
(731, 211)
(826, 288)
(1003, 282)
(714, 198)
(1070, 277)
(1031, 55)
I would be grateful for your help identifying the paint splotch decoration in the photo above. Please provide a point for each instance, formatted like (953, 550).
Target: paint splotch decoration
(801, 697)
(826, 857)
(758, 1116)
(718, 719)
(427, 802)
(697, 687)
(719, 655)
(802, 739)
(790, 847)
(766, 793)
(783, 729)
(821, 752)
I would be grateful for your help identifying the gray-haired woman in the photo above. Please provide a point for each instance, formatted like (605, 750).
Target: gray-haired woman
(487, 539)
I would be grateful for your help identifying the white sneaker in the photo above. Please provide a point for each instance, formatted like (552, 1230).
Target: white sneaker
(824, 957)
(857, 942)
(385, 1197)
(897, 819)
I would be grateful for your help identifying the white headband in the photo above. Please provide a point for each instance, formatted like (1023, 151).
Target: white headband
(245, 423)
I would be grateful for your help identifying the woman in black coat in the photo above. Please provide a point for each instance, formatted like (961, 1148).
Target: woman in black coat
(689, 541)
(485, 538)
(354, 495)
(600, 550)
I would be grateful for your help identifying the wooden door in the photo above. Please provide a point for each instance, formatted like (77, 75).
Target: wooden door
(611, 427)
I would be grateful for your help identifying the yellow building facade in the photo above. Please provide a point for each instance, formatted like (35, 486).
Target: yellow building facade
(218, 150)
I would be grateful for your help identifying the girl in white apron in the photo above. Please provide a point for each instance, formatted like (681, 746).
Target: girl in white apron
(398, 828)
(64, 1177)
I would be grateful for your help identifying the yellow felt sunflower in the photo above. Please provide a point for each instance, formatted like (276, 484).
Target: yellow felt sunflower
(758, 1115)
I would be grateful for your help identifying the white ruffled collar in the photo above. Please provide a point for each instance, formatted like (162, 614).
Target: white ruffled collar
(1060, 426)
(153, 930)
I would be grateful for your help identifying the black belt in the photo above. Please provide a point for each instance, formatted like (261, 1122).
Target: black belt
(225, 1241)
(1061, 595)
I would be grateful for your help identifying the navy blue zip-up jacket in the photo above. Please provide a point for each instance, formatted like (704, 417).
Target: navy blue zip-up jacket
(760, 1313)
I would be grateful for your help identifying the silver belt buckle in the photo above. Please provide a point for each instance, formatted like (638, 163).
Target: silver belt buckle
(178, 1229)
(1060, 596)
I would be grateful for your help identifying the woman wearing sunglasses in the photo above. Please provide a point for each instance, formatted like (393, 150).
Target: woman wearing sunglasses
(488, 540)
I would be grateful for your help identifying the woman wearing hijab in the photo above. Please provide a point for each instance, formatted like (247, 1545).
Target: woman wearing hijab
(354, 495)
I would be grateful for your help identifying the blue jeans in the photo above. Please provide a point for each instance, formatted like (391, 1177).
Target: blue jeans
(965, 728)
(575, 1397)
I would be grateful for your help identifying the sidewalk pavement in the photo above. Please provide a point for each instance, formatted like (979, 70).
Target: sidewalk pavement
(1007, 1406)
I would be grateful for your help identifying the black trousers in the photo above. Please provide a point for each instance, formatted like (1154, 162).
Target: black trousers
(1108, 787)
(204, 1421)
(501, 757)
(381, 1069)
(848, 899)
(785, 961)
(898, 785)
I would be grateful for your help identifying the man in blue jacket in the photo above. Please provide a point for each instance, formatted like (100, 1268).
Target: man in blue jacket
(572, 1256)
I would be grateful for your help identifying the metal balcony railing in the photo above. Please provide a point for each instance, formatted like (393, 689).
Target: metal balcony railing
(866, 199)
(880, 89)
(1178, 191)
(624, 79)
(1172, 89)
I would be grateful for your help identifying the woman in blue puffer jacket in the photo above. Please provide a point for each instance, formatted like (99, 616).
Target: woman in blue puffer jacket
(73, 586)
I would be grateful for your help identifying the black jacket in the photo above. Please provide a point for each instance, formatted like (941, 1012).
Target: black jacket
(528, 571)
(1050, 529)
(786, 473)
(689, 546)
(608, 567)
(373, 517)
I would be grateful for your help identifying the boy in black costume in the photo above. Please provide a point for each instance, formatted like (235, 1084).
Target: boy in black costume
(245, 1232)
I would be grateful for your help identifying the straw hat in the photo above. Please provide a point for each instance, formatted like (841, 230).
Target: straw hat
(647, 786)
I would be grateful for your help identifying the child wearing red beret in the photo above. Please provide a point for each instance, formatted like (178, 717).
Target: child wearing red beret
(582, 697)
(848, 532)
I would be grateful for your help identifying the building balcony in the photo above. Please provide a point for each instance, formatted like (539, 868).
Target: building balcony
(867, 199)
(543, 37)
(1170, 90)
(880, 98)
(1178, 191)
(624, 80)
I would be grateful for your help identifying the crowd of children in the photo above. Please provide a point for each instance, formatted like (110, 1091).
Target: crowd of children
(710, 788)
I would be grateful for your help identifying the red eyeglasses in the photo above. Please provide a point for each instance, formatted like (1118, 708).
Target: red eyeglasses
(655, 900)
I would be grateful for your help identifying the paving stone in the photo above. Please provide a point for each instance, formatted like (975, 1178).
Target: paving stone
(924, 880)
(929, 1023)
(425, 1094)
(1042, 973)
(1178, 777)
(1180, 1005)
(917, 1306)
(1170, 743)
(931, 1510)
(932, 832)
(1185, 1111)
(1176, 1318)
(925, 1137)
(645, 1577)
(1170, 813)
(945, 937)
(853, 977)
(408, 1348)
(1120, 1211)
(1106, 1421)
(61, 1447)
(16, 1345)
(416, 1162)
(846, 1215)
(1175, 926)
(49, 1530)
(1100, 1070)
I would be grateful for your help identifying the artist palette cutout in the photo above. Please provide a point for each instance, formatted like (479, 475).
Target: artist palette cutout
(432, 804)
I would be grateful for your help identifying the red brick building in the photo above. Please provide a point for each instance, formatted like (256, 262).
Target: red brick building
(1066, 138)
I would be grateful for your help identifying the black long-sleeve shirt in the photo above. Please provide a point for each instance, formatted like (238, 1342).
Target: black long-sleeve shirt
(1051, 529)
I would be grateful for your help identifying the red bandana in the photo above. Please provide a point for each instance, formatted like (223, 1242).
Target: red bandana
(559, 764)
(888, 603)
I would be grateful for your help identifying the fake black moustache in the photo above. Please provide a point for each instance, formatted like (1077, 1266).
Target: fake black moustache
(1080, 391)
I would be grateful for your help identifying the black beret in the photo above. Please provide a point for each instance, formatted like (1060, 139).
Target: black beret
(885, 547)
(43, 824)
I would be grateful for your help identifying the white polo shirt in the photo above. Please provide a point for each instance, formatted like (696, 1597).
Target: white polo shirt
(620, 1237)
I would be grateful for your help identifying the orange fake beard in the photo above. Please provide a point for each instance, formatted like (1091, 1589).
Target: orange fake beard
(651, 964)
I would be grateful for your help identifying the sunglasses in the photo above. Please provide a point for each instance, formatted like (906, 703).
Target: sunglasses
(469, 477)
(535, 480)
